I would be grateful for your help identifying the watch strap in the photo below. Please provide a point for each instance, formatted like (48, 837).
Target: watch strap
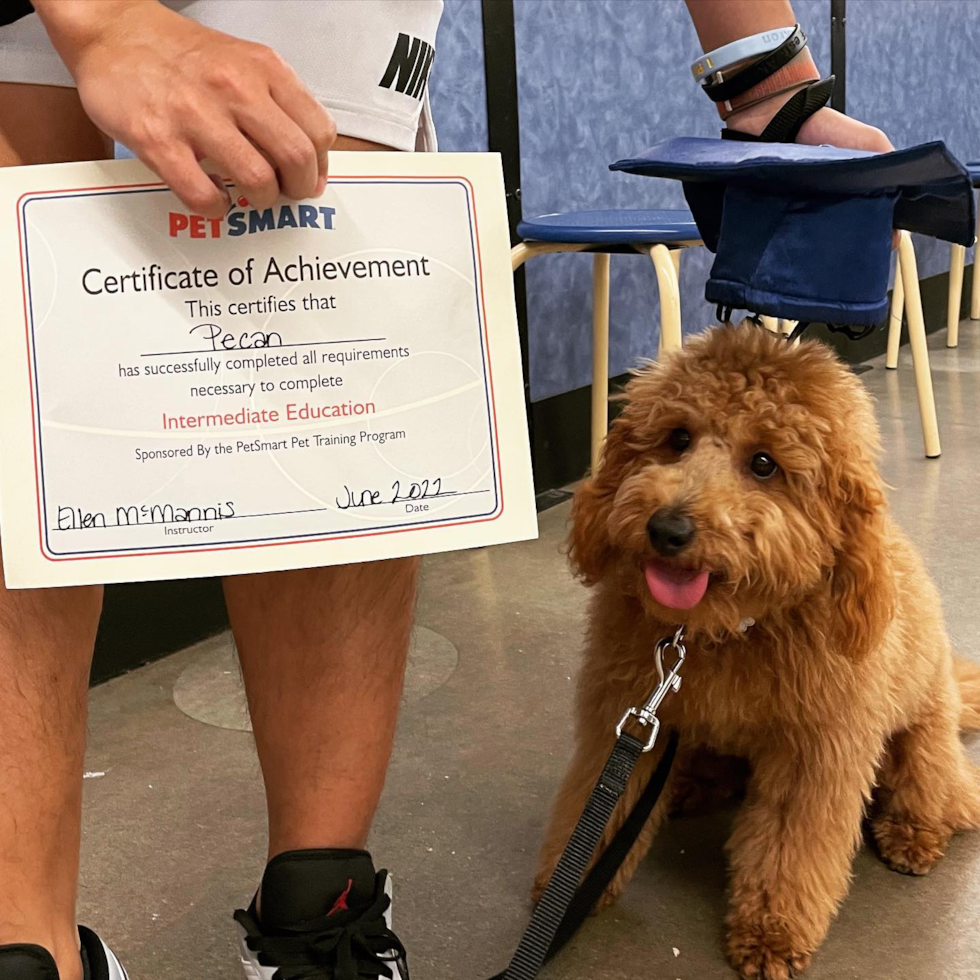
(742, 49)
(800, 71)
(724, 90)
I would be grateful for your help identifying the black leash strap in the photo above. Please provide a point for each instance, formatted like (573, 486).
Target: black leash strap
(565, 904)
(590, 891)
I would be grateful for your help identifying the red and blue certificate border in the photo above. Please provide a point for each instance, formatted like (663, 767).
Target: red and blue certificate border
(44, 543)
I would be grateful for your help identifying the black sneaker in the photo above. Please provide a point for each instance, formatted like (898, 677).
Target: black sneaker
(25, 962)
(326, 915)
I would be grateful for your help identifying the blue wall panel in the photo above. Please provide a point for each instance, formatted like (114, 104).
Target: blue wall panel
(911, 70)
(599, 80)
(457, 88)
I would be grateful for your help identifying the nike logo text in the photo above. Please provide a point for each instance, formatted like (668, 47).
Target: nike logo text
(408, 70)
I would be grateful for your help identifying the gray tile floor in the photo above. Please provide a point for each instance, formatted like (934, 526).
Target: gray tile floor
(174, 832)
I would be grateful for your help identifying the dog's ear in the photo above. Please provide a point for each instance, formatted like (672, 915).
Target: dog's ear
(863, 585)
(589, 547)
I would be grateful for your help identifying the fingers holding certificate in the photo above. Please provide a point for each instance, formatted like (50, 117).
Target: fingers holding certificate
(310, 383)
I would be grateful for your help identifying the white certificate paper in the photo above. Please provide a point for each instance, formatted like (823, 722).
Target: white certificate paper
(315, 383)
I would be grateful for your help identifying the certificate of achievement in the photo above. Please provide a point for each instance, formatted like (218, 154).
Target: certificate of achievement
(315, 383)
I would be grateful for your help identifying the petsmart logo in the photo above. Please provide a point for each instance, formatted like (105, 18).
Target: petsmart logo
(251, 221)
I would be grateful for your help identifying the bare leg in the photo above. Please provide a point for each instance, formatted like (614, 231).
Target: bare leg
(46, 640)
(323, 653)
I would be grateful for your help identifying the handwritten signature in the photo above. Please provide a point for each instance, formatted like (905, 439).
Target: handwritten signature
(77, 518)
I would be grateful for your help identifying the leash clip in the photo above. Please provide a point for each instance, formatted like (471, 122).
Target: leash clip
(646, 716)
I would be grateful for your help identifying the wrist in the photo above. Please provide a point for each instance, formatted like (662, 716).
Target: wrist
(754, 118)
(74, 26)
(765, 95)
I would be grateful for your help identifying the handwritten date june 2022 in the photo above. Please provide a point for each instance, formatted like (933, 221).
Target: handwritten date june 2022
(412, 496)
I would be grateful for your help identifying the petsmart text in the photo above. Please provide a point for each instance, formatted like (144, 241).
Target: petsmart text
(252, 221)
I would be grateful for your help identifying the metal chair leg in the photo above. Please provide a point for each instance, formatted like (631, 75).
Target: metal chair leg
(786, 328)
(957, 260)
(670, 298)
(895, 315)
(519, 254)
(920, 349)
(600, 353)
(522, 251)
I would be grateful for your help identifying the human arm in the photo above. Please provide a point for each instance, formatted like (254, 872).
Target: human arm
(719, 22)
(176, 92)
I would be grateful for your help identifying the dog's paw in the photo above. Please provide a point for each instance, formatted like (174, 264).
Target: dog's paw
(765, 952)
(907, 847)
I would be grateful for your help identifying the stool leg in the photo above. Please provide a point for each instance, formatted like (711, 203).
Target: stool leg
(957, 259)
(920, 349)
(771, 323)
(895, 315)
(600, 353)
(975, 290)
(519, 254)
(670, 298)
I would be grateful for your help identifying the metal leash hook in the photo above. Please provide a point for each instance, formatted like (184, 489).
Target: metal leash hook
(646, 716)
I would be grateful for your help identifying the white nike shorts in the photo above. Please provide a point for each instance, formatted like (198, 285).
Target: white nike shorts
(367, 61)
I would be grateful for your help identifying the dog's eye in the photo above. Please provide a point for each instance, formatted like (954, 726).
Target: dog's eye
(679, 440)
(763, 466)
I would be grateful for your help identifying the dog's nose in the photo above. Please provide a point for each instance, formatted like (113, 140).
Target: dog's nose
(670, 530)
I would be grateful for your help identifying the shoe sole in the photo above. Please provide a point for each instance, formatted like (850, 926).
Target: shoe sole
(116, 970)
(251, 969)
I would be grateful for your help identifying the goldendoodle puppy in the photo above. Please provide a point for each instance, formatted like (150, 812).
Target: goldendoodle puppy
(739, 486)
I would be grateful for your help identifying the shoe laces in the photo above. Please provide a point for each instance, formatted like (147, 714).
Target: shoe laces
(345, 945)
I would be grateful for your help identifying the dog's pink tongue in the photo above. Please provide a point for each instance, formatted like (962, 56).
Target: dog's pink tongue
(675, 588)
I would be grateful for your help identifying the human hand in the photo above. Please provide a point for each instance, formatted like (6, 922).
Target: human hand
(825, 126)
(175, 92)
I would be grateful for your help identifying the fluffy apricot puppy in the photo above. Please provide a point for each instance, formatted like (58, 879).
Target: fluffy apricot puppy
(739, 494)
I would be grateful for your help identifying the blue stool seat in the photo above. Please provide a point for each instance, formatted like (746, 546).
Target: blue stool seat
(620, 227)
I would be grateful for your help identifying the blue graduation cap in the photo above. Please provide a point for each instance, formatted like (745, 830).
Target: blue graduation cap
(804, 232)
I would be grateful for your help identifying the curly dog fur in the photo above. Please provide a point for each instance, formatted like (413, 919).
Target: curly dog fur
(844, 698)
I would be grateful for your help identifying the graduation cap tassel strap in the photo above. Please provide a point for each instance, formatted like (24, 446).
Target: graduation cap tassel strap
(785, 126)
